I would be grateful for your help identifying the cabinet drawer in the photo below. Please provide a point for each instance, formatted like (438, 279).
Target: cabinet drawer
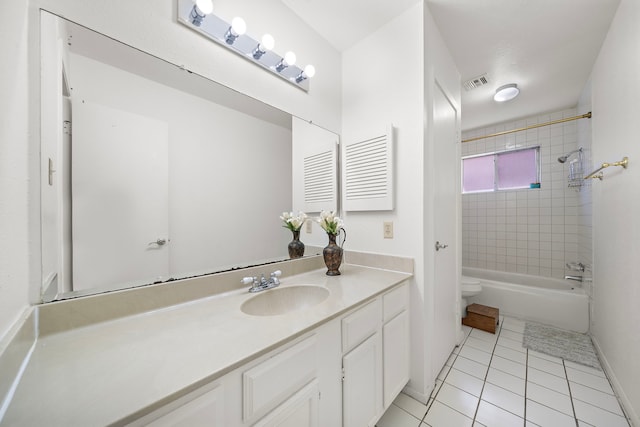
(270, 383)
(360, 325)
(395, 302)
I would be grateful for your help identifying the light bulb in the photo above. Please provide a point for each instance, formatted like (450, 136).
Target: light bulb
(238, 26)
(267, 42)
(199, 11)
(205, 6)
(290, 58)
(310, 70)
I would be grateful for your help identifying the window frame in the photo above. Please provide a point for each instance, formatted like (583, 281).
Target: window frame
(495, 155)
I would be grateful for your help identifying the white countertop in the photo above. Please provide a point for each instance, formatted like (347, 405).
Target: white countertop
(102, 373)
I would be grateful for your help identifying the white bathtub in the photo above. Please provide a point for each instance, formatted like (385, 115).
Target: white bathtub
(559, 303)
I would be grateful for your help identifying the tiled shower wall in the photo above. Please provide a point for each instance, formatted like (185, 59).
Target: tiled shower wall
(529, 231)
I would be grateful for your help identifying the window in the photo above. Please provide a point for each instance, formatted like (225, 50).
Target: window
(507, 170)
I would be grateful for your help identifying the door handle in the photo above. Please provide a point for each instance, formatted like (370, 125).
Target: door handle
(158, 242)
(440, 246)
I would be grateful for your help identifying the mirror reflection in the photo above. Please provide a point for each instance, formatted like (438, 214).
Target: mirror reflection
(151, 172)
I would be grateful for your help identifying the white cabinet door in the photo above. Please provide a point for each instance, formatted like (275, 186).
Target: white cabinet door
(301, 410)
(268, 384)
(362, 385)
(205, 410)
(395, 335)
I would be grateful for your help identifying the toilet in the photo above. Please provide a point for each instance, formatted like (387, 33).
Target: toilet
(469, 287)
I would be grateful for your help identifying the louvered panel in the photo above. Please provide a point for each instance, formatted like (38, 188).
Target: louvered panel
(314, 167)
(318, 181)
(368, 173)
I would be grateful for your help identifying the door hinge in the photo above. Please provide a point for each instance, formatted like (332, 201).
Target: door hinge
(66, 127)
(343, 374)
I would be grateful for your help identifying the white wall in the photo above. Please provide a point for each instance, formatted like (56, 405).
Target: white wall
(532, 231)
(382, 82)
(14, 167)
(386, 81)
(616, 204)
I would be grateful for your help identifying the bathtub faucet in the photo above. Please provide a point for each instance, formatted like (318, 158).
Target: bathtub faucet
(576, 278)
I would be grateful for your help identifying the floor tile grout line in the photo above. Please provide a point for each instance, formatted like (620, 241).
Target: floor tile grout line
(547, 372)
(595, 405)
(526, 382)
(573, 408)
(486, 373)
(409, 413)
(432, 398)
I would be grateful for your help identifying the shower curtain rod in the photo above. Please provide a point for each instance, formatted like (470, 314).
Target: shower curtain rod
(539, 125)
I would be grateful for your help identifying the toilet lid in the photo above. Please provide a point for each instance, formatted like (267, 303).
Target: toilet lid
(469, 281)
(471, 287)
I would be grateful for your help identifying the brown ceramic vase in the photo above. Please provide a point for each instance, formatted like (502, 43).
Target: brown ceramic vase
(332, 254)
(296, 247)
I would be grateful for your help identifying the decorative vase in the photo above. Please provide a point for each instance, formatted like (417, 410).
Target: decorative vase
(332, 254)
(296, 247)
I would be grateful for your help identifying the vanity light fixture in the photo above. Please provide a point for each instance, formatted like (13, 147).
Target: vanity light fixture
(506, 92)
(198, 16)
(288, 60)
(308, 72)
(266, 44)
(200, 9)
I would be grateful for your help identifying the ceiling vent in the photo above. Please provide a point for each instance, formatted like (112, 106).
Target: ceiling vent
(476, 82)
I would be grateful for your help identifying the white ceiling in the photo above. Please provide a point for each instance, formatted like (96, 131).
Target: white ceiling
(547, 47)
(345, 22)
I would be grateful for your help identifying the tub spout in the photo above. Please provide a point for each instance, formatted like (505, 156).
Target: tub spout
(576, 278)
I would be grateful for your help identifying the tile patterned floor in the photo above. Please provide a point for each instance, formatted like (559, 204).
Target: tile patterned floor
(492, 381)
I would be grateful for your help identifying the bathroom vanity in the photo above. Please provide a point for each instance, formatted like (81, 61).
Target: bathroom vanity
(340, 360)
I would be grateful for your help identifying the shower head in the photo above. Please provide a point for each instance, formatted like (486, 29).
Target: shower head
(564, 158)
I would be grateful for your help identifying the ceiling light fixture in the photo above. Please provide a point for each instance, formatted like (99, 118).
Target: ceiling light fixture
(197, 15)
(506, 92)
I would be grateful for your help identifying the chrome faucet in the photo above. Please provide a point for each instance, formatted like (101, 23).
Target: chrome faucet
(576, 278)
(262, 283)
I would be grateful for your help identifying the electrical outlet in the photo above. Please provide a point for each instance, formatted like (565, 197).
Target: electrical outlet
(388, 229)
(309, 228)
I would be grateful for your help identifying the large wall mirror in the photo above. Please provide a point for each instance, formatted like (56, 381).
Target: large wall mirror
(151, 172)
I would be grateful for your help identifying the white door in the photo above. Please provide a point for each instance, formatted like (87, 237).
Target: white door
(120, 198)
(362, 385)
(446, 321)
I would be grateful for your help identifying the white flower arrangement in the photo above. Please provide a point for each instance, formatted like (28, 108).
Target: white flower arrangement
(293, 222)
(330, 222)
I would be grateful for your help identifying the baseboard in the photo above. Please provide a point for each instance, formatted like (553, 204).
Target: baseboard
(628, 409)
(16, 348)
(417, 395)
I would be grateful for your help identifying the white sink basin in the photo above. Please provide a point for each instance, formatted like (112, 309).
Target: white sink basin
(278, 301)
